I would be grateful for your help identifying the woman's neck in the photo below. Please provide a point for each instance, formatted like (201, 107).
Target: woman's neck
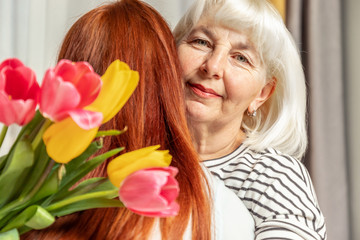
(215, 141)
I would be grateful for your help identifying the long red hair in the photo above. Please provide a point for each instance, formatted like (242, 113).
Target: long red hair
(135, 33)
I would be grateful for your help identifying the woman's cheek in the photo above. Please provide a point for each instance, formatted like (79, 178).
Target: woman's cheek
(187, 58)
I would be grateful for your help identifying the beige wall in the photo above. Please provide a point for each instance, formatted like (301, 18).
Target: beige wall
(352, 93)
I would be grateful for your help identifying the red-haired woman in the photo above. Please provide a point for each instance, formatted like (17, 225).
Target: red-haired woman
(135, 33)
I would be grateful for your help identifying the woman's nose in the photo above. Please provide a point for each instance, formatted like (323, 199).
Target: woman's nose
(214, 64)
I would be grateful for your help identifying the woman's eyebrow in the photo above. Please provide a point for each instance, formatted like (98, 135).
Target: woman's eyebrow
(204, 30)
(244, 46)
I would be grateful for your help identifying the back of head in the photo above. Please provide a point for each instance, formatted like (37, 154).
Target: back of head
(135, 33)
(280, 122)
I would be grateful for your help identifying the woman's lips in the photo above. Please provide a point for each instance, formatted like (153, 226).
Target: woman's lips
(201, 91)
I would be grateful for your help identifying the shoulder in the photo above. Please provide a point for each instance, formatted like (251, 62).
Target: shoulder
(280, 193)
(277, 190)
(269, 165)
(277, 176)
(274, 164)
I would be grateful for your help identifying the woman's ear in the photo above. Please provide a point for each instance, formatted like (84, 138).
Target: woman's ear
(264, 94)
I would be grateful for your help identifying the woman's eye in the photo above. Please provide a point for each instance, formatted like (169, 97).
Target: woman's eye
(241, 58)
(201, 42)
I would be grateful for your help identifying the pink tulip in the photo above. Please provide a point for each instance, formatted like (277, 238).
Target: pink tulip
(19, 92)
(67, 89)
(151, 192)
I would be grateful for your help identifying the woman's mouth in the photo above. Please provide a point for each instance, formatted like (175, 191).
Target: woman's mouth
(203, 92)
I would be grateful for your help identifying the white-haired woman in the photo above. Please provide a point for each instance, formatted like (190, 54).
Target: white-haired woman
(246, 107)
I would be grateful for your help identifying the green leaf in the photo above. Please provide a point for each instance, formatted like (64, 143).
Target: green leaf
(105, 185)
(87, 196)
(74, 164)
(87, 204)
(37, 170)
(24, 229)
(5, 219)
(110, 132)
(13, 174)
(34, 216)
(49, 187)
(2, 162)
(10, 235)
(30, 129)
(41, 219)
(100, 184)
(46, 186)
(3, 134)
(85, 186)
(74, 176)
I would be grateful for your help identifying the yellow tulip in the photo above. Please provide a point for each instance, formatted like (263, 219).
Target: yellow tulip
(65, 140)
(127, 163)
(119, 82)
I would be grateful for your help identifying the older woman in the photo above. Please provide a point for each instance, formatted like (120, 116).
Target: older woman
(246, 103)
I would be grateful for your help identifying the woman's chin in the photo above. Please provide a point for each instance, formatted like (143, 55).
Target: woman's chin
(199, 112)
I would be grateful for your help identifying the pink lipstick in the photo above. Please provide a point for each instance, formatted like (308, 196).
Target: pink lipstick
(201, 91)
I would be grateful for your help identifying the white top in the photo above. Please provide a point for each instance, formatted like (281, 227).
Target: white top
(231, 219)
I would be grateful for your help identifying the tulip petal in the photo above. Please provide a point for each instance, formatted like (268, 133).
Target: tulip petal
(19, 81)
(19, 92)
(141, 192)
(86, 119)
(130, 157)
(72, 71)
(66, 70)
(119, 82)
(116, 177)
(82, 76)
(11, 62)
(65, 140)
(16, 111)
(34, 92)
(2, 81)
(57, 97)
(171, 190)
(122, 166)
(171, 210)
(89, 88)
(171, 170)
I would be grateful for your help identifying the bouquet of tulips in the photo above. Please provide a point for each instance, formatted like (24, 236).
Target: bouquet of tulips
(40, 174)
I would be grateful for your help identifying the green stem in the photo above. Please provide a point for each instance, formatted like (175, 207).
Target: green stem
(21, 200)
(3, 134)
(74, 199)
(38, 136)
(9, 207)
(41, 180)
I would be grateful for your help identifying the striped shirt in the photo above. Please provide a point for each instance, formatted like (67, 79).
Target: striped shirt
(276, 189)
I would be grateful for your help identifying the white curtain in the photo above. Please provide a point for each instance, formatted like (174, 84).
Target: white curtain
(32, 30)
(352, 86)
(328, 34)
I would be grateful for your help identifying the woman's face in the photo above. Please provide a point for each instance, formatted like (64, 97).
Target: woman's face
(222, 72)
